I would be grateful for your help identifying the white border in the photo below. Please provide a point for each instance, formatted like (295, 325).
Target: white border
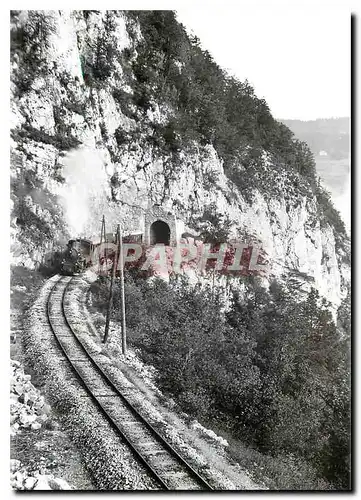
(134, 4)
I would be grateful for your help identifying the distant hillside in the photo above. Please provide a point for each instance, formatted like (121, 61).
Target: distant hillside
(328, 140)
(327, 134)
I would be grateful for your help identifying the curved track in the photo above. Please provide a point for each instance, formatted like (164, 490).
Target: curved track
(162, 461)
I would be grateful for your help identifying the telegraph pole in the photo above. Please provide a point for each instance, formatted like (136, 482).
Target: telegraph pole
(102, 233)
(118, 257)
(111, 293)
(214, 271)
(122, 293)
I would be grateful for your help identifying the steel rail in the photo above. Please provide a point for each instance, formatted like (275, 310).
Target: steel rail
(192, 472)
(98, 404)
(131, 407)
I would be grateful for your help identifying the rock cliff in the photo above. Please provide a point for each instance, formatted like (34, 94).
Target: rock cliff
(85, 142)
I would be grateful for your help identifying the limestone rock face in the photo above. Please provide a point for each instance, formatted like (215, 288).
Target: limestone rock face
(73, 145)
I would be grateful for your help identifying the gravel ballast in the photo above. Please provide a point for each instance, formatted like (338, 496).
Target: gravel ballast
(109, 460)
(202, 448)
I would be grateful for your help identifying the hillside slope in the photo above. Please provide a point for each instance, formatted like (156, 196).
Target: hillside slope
(113, 112)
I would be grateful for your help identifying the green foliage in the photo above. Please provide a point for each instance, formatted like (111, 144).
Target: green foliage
(62, 140)
(125, 100)
(30, 41)
(218, 226)
(305, 379)
(212, 107)
(75, 107)
(208, 105)
(98, 67)
(281, 472)
(221, 110)
(166, 138)
(32, 225)
(272, 372)
(210, 179)
(24, 283)
(121, 136)
(328, 213)
(28, 192)
(344, 315)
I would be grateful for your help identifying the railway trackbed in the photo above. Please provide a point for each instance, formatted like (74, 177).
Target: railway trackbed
(166, 466)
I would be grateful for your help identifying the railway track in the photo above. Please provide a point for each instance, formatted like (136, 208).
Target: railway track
(167, 467)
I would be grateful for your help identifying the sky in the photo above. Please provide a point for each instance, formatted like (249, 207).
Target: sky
(297, 58)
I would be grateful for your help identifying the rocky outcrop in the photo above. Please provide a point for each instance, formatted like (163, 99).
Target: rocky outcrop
(28, 409)
(21, 479)
(72, 139)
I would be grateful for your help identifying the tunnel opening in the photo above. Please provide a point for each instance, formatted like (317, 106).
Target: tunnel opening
(159, 233)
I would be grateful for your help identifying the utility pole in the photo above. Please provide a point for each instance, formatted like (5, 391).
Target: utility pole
(111, 293)
(122, 293)
(214, 271)
(117, 258)
(102, 233)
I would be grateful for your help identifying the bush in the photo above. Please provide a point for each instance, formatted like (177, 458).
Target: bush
(30, 40)
(100, 66)
(327, 212)
(62, 141)
(142, 98)
(218, 226)
(75, 107)
(34, 229)
(264, 372)
(213, 108)
(121, 136)
(125, 101)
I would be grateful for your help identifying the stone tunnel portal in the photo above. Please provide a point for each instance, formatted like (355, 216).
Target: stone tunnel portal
(159, 233)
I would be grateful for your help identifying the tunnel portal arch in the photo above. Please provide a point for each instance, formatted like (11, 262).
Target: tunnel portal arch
(159, 226)
(159, 233)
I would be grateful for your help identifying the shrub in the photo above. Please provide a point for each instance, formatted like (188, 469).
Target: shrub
(61, 141)
(121, 136)
(104, 132)
(218, 227)
(30, 40)
(142, 98)
(125, 101)
(34, 229)
(212, 107)
(264, 372)
(75, 107)
(328, 213)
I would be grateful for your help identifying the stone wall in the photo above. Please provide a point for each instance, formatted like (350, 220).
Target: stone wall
(154, 214)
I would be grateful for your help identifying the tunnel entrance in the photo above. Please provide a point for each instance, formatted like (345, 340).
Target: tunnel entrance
(159, 233)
